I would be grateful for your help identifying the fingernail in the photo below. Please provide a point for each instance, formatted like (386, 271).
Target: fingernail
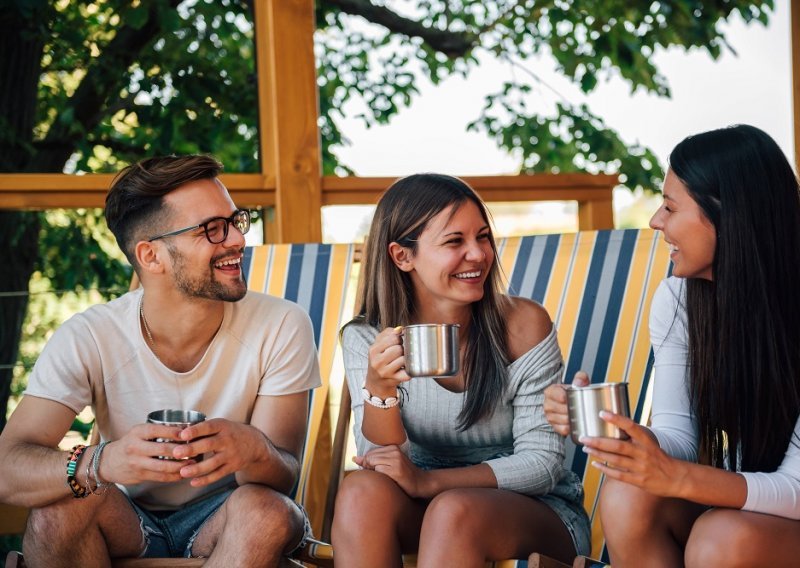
(583, 439)
(605, 414)
(398, 329)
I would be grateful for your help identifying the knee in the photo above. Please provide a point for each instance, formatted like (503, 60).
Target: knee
(717, 539)
(451, 513)
(361, 496)
(262, 510)
(626, 511)
(63, 518)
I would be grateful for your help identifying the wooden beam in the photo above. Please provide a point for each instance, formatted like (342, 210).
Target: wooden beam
(47, 191)
(287, 87)
(592, 192)
(795, 16)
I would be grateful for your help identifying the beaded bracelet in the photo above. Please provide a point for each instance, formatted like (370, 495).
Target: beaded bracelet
(377, 402)
(78, 490)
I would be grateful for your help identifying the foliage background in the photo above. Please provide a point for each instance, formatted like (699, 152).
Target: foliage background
(94, 85)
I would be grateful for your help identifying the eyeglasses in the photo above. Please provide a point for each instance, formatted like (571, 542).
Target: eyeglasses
(216, 228)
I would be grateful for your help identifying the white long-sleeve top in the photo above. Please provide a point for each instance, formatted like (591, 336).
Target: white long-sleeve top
(673, 423)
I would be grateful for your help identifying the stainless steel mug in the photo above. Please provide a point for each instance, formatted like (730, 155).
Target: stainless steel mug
(431, 349)
(180, 418)
(585, 403)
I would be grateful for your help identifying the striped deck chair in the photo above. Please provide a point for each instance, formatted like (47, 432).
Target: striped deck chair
(597, 287)
(316, 277)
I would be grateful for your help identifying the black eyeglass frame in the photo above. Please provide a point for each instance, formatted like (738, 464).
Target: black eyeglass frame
(232, 220)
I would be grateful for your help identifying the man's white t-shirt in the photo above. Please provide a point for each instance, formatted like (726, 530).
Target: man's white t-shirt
(99, 358)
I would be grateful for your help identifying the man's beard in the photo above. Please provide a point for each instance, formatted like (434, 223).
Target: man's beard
(204, 287)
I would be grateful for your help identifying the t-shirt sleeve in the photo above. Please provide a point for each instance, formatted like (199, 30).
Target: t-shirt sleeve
(672, 421)
(67, 366)
(291, 363)
(356, 340)
(778, 492)
(536, 465)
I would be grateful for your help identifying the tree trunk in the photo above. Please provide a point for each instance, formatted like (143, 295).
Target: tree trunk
(22, 37)
(19, 234)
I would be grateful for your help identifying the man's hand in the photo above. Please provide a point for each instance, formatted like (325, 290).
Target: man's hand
(232, 447)
(134, 457)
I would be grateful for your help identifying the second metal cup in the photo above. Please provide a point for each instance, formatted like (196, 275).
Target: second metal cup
(431, 350)
(584, 405)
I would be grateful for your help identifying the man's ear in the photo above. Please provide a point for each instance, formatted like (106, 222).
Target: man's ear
(148, 256)
(401, 256)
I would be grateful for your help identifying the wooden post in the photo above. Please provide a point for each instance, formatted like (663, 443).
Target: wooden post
(795, 16)
(596, 214)
(288, 110)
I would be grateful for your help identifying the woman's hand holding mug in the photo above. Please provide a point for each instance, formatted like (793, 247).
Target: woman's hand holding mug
(555, 403)
(386, 363)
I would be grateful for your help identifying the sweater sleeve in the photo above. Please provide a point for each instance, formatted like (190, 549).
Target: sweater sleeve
(672, 422)
(356, 340)
(536, 465)
(778, 492)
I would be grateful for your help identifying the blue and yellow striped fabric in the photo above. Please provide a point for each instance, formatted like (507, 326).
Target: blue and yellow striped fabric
(597, 287)
(316, 277)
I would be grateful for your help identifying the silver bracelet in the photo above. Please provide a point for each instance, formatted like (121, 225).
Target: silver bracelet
(377, 402)
(95, 470)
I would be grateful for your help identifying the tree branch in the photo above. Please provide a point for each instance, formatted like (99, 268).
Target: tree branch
(452, 44)
(102, 80)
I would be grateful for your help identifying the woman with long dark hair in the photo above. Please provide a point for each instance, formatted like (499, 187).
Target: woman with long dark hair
(465, 469)
(715, 481)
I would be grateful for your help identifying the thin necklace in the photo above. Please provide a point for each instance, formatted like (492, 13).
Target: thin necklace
(147, 327)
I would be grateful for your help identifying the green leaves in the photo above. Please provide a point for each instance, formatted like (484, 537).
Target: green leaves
(589, 40)
(571, 139)
(77, 252)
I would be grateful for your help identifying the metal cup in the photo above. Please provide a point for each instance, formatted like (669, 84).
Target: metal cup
(584, 405)
(179, 418)
(431, 349)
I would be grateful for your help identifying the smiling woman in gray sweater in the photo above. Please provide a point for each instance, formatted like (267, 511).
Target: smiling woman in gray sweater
(464, 469)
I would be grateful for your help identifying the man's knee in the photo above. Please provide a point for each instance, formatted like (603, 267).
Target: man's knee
(264, 511)
(64, 517)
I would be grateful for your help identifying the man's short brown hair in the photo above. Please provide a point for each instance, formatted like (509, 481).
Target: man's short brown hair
(134, 204)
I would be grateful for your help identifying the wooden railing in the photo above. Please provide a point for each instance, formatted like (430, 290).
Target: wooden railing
(592, 192)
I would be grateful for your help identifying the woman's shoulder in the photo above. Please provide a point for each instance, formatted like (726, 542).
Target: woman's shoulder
(669, 299)
(358, 331)
(668, 311)
(528, 324)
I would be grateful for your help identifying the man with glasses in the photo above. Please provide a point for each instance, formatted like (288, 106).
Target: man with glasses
(190, 338)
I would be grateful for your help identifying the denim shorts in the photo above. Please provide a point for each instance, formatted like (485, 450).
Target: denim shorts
(171, 534)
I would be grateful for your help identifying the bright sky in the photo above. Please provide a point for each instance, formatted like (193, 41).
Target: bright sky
(753, 86)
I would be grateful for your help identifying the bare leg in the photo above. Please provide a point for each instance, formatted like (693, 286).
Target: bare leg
(639, 525)
(466, 527)
(83, 532)
(254, 527)
(731, 538)
(375, 521)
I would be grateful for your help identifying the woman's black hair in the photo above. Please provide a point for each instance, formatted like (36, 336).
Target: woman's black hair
(744, 324)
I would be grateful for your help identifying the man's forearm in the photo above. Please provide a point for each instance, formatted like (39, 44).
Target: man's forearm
(273, 466)
(34, 476)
